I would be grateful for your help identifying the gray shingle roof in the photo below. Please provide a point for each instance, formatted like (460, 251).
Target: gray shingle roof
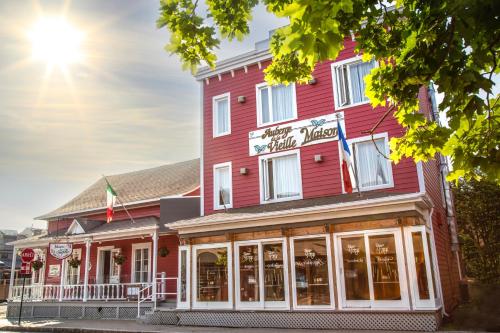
(143, 185)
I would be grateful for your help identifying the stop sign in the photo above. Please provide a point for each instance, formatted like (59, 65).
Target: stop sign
(27, 255)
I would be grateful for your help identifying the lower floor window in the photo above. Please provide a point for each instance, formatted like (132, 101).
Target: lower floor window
(141, 266)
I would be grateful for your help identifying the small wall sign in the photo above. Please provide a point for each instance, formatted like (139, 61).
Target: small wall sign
(61, 250)
(54, 270)
(292, 135)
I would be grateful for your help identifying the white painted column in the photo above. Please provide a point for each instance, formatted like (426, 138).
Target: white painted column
(155, 265)
(61, 278)
(12, 271)
(88, 242)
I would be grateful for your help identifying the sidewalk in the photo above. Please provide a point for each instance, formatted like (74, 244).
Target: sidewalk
(129, 326)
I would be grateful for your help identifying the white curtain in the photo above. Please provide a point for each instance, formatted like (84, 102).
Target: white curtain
(286, 176)
(371, 165)
(222, 121)
(358, 73)
(264, 102)
(282, 102)
(223, 186)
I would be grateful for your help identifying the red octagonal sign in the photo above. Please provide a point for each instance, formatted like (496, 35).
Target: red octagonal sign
(27, 255)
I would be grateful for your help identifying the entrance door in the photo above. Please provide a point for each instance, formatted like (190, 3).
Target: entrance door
(107, 270)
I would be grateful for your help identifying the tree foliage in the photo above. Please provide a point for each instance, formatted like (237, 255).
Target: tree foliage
(453, 43)
(478, 217)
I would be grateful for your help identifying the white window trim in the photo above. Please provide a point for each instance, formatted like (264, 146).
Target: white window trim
(42, 255)
(262, 304)
(213, 305)
(137, 246)
(371, 304)
(387, 152)
(261, 176)
(98, 276)
(416, 301)
(216, 192)
(330, 273)
(334, 65)
(67, 267)
(184, 304)
(259, 105)
(215, 99)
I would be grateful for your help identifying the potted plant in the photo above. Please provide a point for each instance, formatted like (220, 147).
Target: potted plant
(74, 262)
(163, 251)
(119, 259)
(37, 264)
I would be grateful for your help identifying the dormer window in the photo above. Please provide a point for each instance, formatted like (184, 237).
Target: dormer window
(275, 104)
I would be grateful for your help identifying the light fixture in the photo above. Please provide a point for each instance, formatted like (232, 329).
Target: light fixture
(241, 99)
(312, 81)
(243, 171)
(318, 158)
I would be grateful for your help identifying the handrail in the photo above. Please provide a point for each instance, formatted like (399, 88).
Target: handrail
(142, 300)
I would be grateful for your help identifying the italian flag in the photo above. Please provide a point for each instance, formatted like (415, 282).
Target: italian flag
(111, 199)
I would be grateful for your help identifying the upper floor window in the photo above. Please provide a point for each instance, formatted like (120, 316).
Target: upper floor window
(275, 103)
(280, 177)
(223, 192)
(221, 115)
(373, 169)
(349, 84)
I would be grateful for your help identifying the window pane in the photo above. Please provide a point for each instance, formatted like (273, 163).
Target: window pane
(183, 277)
(223, 186)
(264, 98)
(418, 253)
(282, 102)
(355, 268)
(358, 72)
(384, 267)
(311, 272)
(431, 260)
(222, 116)
(212, 275)
(286, 176)
(372, 166)
(249, 273)
(342, 85)
(274, 281)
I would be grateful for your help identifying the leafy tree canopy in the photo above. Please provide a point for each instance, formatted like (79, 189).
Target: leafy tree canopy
(453, 43)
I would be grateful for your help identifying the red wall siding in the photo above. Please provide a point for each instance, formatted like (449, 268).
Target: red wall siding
(318, 179)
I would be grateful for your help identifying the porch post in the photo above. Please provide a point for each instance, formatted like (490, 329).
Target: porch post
(155, 259)
(86, 273)
(12, 271)
(61, 278)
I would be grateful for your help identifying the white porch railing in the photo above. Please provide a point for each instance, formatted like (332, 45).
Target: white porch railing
(146, 293)
(95, 292)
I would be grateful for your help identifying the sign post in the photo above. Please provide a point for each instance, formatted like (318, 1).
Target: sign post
(27, 256)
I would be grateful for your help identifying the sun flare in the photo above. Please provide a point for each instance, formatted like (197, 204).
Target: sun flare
(56, 42)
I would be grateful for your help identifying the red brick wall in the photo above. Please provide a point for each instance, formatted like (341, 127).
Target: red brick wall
(318, 179)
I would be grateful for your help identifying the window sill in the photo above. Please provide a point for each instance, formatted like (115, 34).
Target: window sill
(220, 135)
(259, 125)
(337, 108)
(371, 188)
(222, 207)
(263, 202)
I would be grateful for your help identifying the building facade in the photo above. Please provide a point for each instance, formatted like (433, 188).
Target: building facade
(279, 235)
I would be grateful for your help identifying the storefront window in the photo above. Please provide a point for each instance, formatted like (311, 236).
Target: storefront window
(212, 275)
(384, 266)
(249, 273)
(274, 274)
(183, 276)
(312, 281)
(355, 268)
(431, 260)
(420, 265)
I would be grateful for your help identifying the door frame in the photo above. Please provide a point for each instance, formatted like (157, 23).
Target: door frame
(98, 275)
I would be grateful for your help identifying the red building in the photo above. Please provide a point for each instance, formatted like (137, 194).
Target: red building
(279, 242)
(115, 265)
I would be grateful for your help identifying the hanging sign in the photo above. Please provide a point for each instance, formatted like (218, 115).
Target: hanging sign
(292, 135)
(27, 255)
(61, 250)
(26, 268)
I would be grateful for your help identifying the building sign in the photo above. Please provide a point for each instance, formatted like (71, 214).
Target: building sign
(61, 250)
(54, 270)
(292, 135)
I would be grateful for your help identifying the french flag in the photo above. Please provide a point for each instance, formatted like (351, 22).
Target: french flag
(346, 160)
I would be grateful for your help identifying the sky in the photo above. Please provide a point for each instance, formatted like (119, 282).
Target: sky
(125, 105)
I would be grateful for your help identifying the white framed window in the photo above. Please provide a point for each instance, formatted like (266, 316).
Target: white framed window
(72, 274)
(421, 268)
(280, 177)
(312, 276)
(261, 268)
(141, 262)
(184, 274)
(223, 186)
(348, 81)
(371, 270)
(275, 104)
(212, 276)
(221, 114)
(108, 271)
(373, 170)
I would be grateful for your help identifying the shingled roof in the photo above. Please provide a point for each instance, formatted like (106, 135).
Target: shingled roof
(133, 187)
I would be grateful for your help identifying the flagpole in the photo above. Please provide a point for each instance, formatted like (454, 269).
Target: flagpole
(119, 201)
(355, 170)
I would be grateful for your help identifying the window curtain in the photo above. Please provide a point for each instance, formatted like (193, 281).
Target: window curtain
(282, 102)
(286, 177)
(222, 116)
(372, 167)
(358, 72)
(264, 102)
(224, 186)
